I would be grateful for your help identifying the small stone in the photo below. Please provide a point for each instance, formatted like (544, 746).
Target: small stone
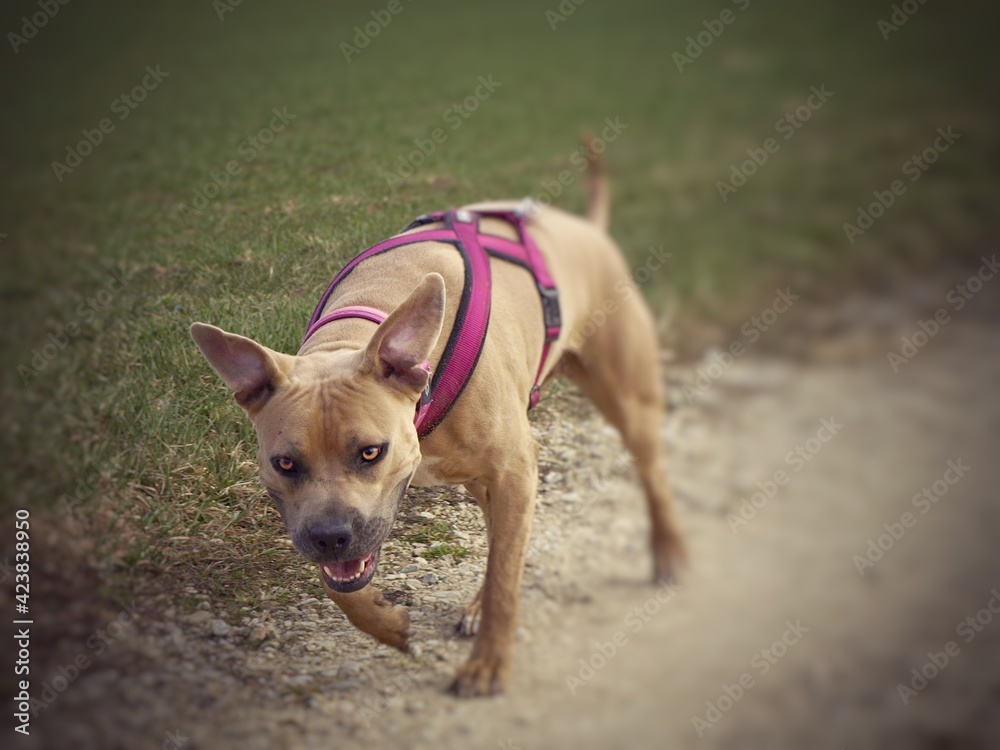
(430, 578)
(551, 477)
(259, 633)
(299, 680)
(429, 733)
(411, 568)
(199, 617)
(349, 669)
(220, 628)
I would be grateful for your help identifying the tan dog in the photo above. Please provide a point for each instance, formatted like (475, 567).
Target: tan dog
(335, 422)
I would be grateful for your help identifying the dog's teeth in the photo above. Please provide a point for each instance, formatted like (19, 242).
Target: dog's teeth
(342, 579)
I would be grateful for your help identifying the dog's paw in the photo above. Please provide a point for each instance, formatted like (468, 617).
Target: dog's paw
(394, 627)
(371, 612)
(468, 625)
(669, 561)
(480, 677)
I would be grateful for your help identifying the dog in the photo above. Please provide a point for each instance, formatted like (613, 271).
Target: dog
(338, 441)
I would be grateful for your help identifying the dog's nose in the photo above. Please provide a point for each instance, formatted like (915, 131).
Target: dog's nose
(331, 536)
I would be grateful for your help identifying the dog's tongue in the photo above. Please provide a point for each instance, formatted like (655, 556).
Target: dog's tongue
(347, 569)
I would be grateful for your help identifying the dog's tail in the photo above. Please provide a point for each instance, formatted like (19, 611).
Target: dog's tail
(599, 204)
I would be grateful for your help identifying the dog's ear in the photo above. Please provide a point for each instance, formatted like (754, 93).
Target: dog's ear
(251, 370)
(403, 342)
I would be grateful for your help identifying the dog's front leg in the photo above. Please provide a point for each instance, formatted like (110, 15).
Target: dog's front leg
(369, 611)
(509, 504)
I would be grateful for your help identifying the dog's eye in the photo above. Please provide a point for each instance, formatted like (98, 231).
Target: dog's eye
(285, 464)
(371, 452)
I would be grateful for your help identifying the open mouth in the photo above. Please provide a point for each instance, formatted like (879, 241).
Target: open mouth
(350, 575)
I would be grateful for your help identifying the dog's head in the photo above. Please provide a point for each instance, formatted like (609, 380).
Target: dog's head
(337, 443)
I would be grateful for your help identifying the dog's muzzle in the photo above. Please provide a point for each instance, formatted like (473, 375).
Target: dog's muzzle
(350, 575)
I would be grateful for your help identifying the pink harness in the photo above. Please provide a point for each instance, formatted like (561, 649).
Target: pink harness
(465, 344)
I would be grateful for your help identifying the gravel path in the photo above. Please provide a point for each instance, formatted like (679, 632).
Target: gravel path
(781, 636)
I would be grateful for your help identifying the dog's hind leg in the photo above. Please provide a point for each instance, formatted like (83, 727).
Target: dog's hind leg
(617, 369)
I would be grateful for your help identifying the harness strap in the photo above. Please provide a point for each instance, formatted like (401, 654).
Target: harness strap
(547, 291)
(440, 235)
(358, 311)
(468, 335)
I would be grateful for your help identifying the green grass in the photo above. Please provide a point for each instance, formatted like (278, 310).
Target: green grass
(455, 550)
(130, 397)
(440, 532)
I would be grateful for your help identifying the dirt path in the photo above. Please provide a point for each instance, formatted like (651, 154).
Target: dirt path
(775, 639)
